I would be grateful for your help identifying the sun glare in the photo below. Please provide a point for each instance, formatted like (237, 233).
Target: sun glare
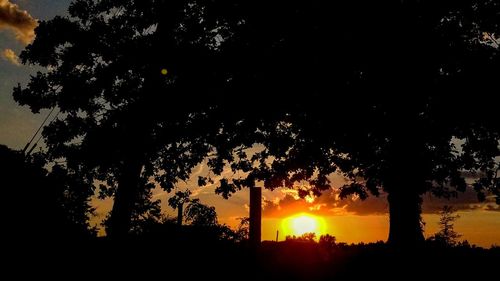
(304, 223)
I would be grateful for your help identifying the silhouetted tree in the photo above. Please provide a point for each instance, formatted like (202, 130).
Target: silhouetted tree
(202, 222)
(243, 231)
(366, 88)
(327, 241)
(199, 214)
(306, 237)
(124, 75)
(146, 212)
(395, 95)
(177, 202)
(74, 198)
(447, 234)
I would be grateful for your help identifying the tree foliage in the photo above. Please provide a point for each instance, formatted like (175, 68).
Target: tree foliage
(147, 214)
(242, 233)
(327, 241)
(180, 198)
(394, 95)
(306, 237)
(199, 214)
(123, 122)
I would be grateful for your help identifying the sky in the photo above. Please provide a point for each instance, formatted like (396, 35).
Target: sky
(349, 220)
(17, 124)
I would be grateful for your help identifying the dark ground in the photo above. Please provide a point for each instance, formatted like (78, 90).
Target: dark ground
(179, 259)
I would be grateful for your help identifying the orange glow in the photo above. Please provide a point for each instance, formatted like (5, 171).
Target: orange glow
(303, 223)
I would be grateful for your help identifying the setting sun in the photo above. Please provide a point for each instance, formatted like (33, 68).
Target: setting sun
(304, 223)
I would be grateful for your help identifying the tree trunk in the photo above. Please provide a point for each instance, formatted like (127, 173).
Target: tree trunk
(404, 179)
(141, 122)
(125, 198)
(405, 217)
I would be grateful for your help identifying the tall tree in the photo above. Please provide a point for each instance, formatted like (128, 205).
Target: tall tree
(122, 74)
(395, 95)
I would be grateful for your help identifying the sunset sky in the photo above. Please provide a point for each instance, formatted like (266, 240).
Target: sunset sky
(349, 220)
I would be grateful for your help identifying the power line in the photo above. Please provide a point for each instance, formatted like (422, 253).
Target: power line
(34, 146)
(37, 131)
(39, 138)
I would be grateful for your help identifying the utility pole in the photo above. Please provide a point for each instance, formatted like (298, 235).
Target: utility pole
(255, 215)
(179, 214)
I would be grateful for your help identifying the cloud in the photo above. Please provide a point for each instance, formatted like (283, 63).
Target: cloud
(286, 206)
(371, 206)
(10, 55)
(466, 201)
(329, 204)
(19, 21)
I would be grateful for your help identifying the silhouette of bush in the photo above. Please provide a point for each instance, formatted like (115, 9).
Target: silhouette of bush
(327, 241)
(306, 237)
(42, 203)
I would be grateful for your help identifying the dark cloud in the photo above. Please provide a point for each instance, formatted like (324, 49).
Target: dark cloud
(466, 201)
(19, 21)
(330, 204)
(370, 206)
